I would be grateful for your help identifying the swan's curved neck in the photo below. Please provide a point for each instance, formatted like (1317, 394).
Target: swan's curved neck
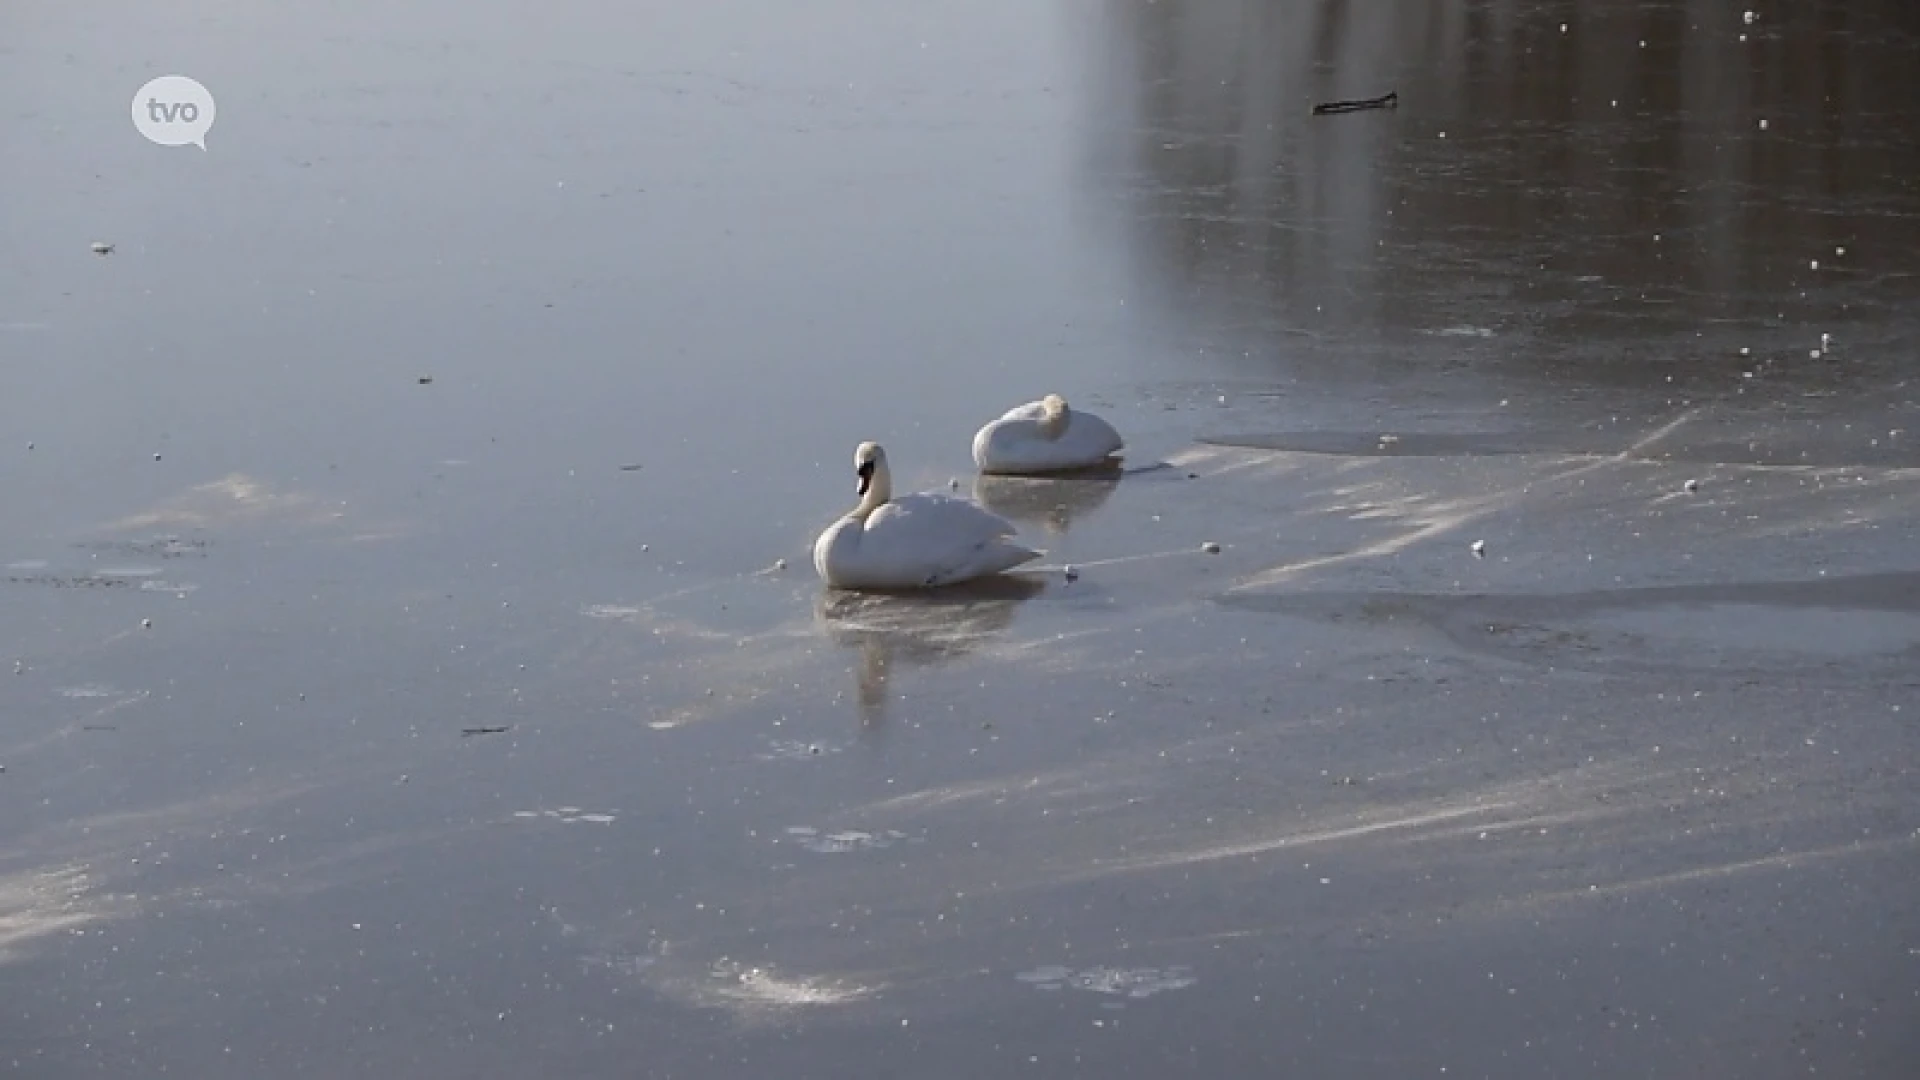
(879, 490)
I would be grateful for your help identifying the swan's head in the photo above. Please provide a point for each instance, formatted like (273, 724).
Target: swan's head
(1053, 416)
(867, 458)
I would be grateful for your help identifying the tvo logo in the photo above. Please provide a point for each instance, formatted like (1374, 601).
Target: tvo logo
(174, 110)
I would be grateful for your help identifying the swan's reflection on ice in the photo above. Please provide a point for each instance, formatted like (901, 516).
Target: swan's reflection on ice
(1048, 503)
(922, 628)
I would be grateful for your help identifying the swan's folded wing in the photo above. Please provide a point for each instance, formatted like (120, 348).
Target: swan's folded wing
(937, 538)
(927, 517)
(1032, 410)
(1094, 436)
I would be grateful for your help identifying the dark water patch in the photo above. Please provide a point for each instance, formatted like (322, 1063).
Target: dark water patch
(1829, 631)
(73, 581)
(1753, 452)
(159, 547)
(1413, 444)
(1580, 180)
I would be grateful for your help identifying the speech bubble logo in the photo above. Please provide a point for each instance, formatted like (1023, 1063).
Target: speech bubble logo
(174, 110)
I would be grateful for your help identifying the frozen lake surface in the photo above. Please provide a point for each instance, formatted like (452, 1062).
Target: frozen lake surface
(398, 678)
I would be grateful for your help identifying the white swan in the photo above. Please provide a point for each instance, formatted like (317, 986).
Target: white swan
(913, 542)
(1044, 436)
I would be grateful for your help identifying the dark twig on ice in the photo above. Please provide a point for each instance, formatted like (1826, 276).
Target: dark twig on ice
(485, 730)
(1391, 101)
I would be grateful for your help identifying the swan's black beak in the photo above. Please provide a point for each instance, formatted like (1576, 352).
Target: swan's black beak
(866, 477)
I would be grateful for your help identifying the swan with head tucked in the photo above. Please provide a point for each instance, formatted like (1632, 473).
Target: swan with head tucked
(1042, 437)
(913, 542)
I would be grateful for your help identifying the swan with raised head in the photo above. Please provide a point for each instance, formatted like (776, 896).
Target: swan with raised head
(913, 542)
(1042, 437)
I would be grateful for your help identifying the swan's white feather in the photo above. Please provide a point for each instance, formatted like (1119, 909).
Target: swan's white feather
(1017, 443)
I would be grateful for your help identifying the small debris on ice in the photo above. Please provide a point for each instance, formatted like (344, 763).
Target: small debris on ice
(1693, 485)
(1479, 548)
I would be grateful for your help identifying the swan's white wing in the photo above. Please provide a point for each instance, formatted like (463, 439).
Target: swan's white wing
(1015, 427)
(1091, 436)
(927, 520)
(1015, 444)
(1001, 441)
(933, 539)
